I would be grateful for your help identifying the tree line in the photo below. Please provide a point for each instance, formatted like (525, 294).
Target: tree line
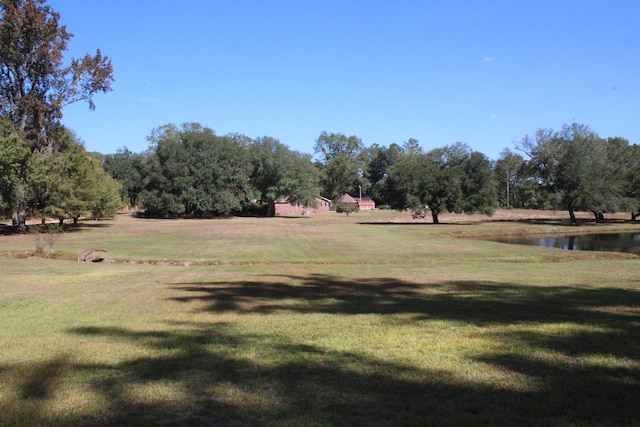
(66, 183)
(190, 171)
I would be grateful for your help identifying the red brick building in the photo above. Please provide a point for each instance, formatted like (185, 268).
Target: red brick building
(366, 204)
(285, 208)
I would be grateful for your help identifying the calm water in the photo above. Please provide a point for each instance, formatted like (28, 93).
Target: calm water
(612, 242)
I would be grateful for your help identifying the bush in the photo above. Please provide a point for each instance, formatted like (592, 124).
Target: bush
(347, 208)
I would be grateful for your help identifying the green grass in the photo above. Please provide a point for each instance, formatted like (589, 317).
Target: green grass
(371, 319)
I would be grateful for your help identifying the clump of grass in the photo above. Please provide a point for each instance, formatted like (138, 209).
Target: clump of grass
(45, 236)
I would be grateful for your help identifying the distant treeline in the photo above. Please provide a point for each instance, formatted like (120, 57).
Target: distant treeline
(190, 171)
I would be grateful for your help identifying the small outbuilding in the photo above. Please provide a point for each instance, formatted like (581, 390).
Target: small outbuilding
(366, 204)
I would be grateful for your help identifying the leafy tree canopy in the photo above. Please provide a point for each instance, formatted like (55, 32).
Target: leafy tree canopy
(279, 173)
(35, 82)
(572, 164)
(449, 179)
(130, 169)
(194, 172)
(343, 163)
(35, 85)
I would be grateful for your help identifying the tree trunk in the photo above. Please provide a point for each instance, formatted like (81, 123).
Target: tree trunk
(19, 220)
(634, 215)
(572, 215)
(508, 190)
(271, 209)
(434, 216)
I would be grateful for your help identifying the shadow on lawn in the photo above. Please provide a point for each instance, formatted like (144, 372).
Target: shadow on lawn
(300, 383)
(7, 230)
(470, 302)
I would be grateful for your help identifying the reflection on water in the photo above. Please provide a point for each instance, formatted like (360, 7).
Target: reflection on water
(612, 242)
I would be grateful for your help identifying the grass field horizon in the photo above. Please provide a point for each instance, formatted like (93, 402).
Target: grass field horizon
(371, 319)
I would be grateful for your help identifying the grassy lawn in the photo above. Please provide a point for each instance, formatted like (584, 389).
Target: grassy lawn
(371, 319)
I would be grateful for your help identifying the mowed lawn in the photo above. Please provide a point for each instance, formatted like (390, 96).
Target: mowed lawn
(371, 319)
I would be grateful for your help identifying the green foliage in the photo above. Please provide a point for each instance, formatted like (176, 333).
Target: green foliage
(342, 161)
(74, 180)
(190, 171)
(477, 185)
(449, 179)
(578, 169)
(14, 158)
(130, 169)
(107, 199)
(625, 166)
(279, 173)
(379, 161)
(194, 172)
(406, 181)
(346, 208)
(412, 146)
(510, 175)
(35, 85)
(34, 82)
(66, 183)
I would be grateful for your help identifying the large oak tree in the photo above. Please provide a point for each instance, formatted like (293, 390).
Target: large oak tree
(195, 173)
(343, 163)
(448, 179)
(280, 173)
(573, 165)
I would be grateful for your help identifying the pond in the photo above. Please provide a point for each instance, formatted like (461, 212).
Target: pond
(612, 242)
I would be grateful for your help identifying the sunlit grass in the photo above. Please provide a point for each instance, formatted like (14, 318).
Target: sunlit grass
(362, 320)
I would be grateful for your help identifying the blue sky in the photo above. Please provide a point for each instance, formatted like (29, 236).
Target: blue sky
(481, 72)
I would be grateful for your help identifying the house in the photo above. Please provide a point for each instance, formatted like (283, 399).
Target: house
(366, 204)
(285, 208)
(363, 204)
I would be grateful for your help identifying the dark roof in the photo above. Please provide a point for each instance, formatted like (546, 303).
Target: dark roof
(345, 198)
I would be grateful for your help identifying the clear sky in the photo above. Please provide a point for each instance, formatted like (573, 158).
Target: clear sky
(484, 72)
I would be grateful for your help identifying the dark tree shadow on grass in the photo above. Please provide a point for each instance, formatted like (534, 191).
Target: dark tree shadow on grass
(303, 383)
(606, 324)
(42, 379)
(465, 301)
(7, 230)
